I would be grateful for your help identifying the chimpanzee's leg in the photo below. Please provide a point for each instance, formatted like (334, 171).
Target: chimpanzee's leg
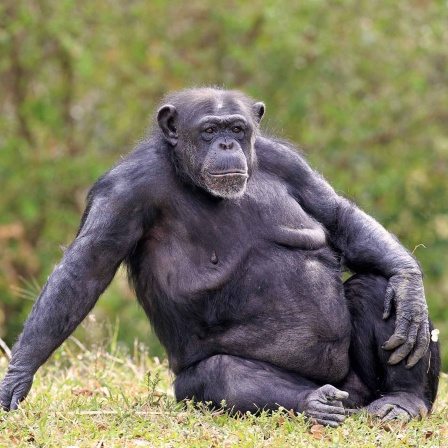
(249, 385)
(386, 390)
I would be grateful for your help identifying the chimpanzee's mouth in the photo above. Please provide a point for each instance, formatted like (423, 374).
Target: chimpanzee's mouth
(228, 173)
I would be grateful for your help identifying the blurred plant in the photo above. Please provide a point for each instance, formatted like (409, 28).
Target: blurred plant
(362, 85)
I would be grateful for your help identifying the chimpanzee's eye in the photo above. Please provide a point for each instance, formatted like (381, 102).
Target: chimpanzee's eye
(209, 130)
(236, 129)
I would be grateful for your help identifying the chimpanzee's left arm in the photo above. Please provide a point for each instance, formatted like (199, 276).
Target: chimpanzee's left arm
(365, 246)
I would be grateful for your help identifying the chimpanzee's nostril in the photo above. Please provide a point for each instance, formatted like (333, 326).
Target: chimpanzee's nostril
(226, 145)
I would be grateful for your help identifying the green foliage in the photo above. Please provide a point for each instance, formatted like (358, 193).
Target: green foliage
(362, 85)
(90, 397)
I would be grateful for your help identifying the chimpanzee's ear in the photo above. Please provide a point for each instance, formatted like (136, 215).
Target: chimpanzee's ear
(166, 117)
(258, 110)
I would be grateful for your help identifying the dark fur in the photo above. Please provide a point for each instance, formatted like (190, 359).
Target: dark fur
(242, 284)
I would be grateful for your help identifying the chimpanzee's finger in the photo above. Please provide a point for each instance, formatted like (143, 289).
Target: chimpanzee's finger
(16, 398)
(400, 335)
(422, 345)
(328, 393)
(401, 352)
(388, 301)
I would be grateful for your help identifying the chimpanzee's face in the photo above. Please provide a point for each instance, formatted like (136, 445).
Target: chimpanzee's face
(214, 143)
(224, 145)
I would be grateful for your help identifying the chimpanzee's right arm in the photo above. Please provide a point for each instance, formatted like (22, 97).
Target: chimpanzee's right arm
(111, 226)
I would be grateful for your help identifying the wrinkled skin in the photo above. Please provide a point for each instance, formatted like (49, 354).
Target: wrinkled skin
(235, 248)
(325, 406)
(15, 387)
(401, 406)
(411, 333)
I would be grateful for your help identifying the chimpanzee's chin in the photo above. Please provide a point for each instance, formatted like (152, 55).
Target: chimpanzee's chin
(229, 186)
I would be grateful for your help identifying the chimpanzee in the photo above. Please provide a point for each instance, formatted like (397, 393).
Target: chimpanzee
(235, 248)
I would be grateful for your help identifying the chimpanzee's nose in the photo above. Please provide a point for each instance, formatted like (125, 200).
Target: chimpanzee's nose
(224, 145)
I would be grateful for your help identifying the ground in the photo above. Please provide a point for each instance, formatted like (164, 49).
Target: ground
(106, 396)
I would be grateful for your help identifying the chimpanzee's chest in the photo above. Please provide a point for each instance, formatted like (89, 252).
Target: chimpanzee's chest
(201, 243)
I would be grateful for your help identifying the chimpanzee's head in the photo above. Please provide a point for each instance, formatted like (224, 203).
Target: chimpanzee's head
(212, 134)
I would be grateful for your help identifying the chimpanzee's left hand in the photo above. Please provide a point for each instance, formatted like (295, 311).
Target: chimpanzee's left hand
(412, 325)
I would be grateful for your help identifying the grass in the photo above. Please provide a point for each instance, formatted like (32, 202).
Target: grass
(105, 398)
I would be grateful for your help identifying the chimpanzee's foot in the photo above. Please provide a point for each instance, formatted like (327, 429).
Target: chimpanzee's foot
(401, 406)
(324, 406)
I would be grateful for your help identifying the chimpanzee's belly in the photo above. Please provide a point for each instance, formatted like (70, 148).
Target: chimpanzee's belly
(277, 304)
(290, 312)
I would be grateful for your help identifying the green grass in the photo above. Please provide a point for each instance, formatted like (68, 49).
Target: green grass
(98, 398)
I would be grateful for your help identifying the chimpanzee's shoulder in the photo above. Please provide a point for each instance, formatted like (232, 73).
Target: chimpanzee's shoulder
(279, 156)
(145, 173)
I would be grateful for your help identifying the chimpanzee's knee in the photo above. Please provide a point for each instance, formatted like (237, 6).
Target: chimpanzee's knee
(365, 294)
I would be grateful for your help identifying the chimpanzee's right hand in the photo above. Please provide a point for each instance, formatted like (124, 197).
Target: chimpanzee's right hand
(14, 387)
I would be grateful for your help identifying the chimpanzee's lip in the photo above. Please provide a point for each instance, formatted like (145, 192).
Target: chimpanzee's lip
(228, 173)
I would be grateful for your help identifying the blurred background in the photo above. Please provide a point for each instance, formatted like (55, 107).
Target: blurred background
(361, 85)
